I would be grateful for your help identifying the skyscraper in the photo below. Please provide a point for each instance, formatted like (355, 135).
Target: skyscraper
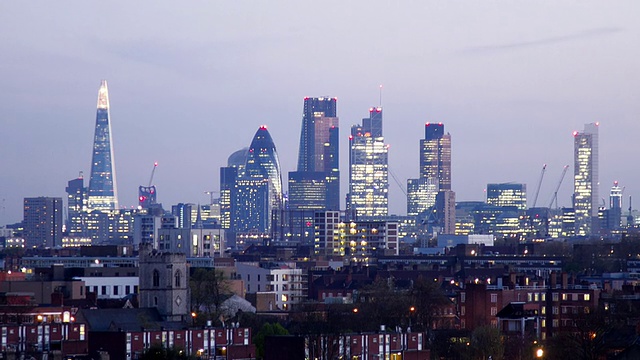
(42, 221)
(435, 155)
(585, 183)
(263, 163)
(251, 193)
(76, 206)
(103, 193)
(318, 157)
(368, 169)
(228, 176)
(309, 142)
(435, 168)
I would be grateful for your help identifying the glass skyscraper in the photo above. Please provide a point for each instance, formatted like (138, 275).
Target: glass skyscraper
(368, 169)
(318, 157)
(251, 186)
(435, 175)
(103, 193)
(435, 155)
(585, 179)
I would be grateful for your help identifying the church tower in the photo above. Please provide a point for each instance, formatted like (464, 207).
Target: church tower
(164, 283)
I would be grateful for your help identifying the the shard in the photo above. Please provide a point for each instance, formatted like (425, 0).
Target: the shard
(103, 193)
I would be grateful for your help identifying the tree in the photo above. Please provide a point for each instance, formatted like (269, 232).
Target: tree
(486, 341)
(209, 289)
(426, 298)
(267, 329)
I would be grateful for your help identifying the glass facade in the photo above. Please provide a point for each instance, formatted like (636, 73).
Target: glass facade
(103, 194)
(368, 171)
(507, 194)
(585, 184)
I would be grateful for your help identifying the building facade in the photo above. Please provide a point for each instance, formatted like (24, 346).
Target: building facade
(585, 180)
(42, 222)
(368, 169)
(103, 190)
(507, 194)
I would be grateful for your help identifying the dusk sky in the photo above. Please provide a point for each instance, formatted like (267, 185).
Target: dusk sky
(191, 82)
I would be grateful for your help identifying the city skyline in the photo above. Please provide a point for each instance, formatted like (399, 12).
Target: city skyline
(511, 95)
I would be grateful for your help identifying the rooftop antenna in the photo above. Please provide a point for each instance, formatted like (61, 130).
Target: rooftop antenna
(380, 95)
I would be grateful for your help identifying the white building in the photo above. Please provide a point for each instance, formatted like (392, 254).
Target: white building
(282, 279)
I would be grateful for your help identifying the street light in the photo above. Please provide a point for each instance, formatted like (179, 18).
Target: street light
(539, 353)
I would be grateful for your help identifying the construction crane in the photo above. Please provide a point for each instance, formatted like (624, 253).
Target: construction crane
(535, 198)
(155, 165)
(147, 194)
(555, 193)
(397, 181)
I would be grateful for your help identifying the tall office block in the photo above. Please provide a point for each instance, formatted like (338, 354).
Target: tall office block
(251, 192)
(435, 169)
(318, 156)
(507, 194)
(42, 222)
(435, 155)
(309, 142)
(228, 176)
(368, 169)
(103, 193)
(585, 183)
(76, 206)
(263, 163)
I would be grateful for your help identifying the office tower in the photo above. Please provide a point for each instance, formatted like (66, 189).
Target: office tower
(368, 169)
(421, 195)
(103, 192)
(507, 194)
(183, 213)
(613, 215)
(318, 157)
(435, 176)
(251, 192)
(76, 206)
(228, 175)
(435, 155)
(309, 142)
(585, 183)
(252, 206)
(263, 163)
(42, 222)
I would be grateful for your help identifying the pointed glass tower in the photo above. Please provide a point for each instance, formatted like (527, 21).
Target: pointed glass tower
(103, 193)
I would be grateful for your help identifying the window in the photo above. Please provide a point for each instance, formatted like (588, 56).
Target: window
(155, 301)
(554, 323)
(103, 290)
(494, 298)
(463, 297)
(555, 297)
(178, 278)
(554, 310)
(462, 310)
(156, 278)
(494, 311)
(127, 290)
(565, 296)
(587, 297)
(115, 290)
(543, 310)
